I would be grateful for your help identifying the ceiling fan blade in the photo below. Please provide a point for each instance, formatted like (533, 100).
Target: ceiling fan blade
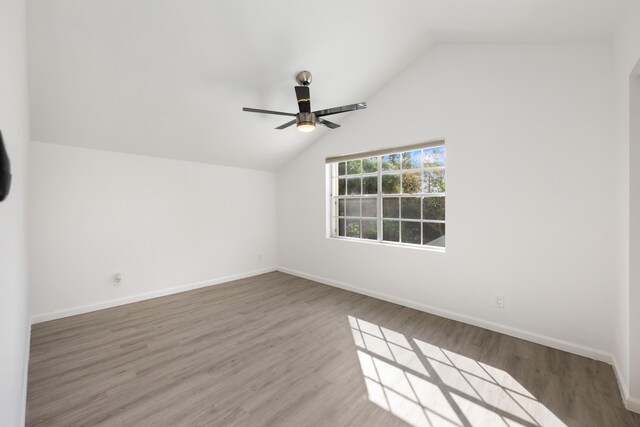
(304, 98)
(257, 110)
(286, 125)
(327, 123)
(343, 109)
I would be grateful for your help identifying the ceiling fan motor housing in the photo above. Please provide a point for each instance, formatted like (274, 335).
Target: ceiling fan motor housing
(306, 120)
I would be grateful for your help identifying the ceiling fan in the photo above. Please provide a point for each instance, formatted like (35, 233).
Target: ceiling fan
(306, 120)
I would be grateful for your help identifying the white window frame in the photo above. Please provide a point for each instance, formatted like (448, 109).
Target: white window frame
(333, 197)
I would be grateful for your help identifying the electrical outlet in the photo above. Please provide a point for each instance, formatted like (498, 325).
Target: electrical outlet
(499, 301)
(117, 279)
(259, 257)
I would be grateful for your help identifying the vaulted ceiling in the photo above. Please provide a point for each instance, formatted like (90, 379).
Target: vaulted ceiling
(169, 78)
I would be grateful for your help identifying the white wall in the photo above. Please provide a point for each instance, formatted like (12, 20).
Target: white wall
(627, 54)
(634, 236)
(13, 270)
(530, 203)
(160, 223)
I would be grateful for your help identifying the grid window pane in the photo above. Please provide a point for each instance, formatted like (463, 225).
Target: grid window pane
(434, 181)
(391, 184)
(370, 185)
(354, 186)
(370, 208)
(410, 207)
(354, 167)
(370, 229)
(410, 232)
(353, 228)
(391, 162)
(433, 234)
(353, 207)
(391, 231)
(412, 182)
(395, 198)
(391, 207)
(370, 165)
(433, 157)
(412, 159)
(433, 208)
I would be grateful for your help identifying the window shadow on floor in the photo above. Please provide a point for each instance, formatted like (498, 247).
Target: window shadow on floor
(426, 385)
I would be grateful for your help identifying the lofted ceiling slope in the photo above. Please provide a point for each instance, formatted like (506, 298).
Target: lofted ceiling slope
(169, 78)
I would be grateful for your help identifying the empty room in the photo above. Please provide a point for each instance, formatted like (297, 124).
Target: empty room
(349, 213)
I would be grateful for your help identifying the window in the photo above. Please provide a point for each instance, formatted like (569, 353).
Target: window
(390, 196)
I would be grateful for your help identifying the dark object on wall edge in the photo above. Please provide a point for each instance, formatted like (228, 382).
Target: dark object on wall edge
(5, 171)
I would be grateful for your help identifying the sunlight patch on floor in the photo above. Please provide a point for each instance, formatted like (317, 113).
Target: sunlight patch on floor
(425, 385)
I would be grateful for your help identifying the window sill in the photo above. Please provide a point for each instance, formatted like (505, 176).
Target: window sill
(390, 244)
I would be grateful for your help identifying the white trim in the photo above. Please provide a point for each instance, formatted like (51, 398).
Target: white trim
(622, 384)
(631, 403)
(497, 327)
(57, 314)
(386, 151)
(428, 248)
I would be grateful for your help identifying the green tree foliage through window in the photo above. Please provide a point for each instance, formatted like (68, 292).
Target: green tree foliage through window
(397, 197)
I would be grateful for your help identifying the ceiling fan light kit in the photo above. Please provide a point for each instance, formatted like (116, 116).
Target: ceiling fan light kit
(306, 120)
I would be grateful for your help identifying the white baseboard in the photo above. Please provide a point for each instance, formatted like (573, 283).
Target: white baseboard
(497, 327)
(622, 384)
(630, 403)
(633, 404)
(58, 314)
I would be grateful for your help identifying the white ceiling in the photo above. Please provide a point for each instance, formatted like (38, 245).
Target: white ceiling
(169, 78)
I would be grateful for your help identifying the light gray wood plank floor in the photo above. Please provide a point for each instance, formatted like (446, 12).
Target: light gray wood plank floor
(276, 349)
